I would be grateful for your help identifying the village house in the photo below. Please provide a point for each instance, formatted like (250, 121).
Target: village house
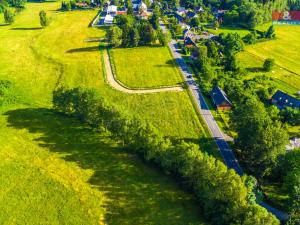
(207, 36)
(111, 12)
(199, 9)
(293, 144)
(220, 99)
(139, 5)
(190, 15)
(283, 100)
(190, 38)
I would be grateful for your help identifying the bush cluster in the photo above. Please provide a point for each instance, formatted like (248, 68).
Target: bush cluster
(221, 192)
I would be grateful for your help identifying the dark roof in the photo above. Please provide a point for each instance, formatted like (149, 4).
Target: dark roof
(190, 14)
(285, 100)
(136, 2)
(189, 41)
(219, 96)
(178, 17)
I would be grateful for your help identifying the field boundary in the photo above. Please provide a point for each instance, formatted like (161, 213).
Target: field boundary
(111, 58)
(115, 83)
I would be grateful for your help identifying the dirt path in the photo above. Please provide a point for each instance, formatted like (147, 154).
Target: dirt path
(121, 87)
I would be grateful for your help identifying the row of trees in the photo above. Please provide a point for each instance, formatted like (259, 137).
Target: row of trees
(249, 13)
(256, 35)
(221, 192)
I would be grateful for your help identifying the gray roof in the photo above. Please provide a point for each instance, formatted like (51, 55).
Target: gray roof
(219, 96)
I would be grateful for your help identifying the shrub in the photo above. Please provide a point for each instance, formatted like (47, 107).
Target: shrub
(66, 6)
(8, 93)
(9, 16)
(44, 21)
(268, 64)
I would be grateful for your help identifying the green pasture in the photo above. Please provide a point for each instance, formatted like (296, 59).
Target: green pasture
(55, 170)
(145, 67)
(67, 53)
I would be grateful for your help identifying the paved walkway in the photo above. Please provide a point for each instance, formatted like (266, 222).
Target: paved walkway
(217, 134)
(121, 87)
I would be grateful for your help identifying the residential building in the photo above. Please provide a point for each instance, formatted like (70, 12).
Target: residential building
(293, 144)
(220, 99)
(283, 100)
(111, 12)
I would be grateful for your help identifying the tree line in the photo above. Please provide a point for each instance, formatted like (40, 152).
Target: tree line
(225, 197)
(129, 31)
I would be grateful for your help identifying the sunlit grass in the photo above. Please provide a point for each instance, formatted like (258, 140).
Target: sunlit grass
(54, 169)
(145, 67)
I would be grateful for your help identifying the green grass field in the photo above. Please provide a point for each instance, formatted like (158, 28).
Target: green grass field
(80, 177)
(67, 53)
(54, 169)
(284, 49)
(145, 67)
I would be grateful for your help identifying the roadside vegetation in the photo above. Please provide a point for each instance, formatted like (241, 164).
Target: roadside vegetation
(202, 173)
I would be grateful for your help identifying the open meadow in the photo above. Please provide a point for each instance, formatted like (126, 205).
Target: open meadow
(55, 169)
(145, 67)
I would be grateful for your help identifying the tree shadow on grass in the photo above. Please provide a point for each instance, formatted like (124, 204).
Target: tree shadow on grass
(137, 193)
(255, 69)
(26, 28)
(85, 49)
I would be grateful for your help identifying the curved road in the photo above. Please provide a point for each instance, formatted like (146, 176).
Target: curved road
(120, 87)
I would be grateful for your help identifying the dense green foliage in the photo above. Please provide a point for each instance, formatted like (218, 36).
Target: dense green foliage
(17, 3)
(291, 116)
(260, 139)
(250, 14)
(8, 16)
(268, 64)
(221, 191)
(290, 171)
(132, 32)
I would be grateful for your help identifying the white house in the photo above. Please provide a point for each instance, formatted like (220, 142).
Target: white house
(293, 143)
(111, 12)
(139, 5)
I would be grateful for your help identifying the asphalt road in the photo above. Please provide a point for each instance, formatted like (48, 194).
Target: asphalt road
(217, 134)
(215, 131)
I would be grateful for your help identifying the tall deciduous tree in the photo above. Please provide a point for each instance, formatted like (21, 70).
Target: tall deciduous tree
(260, 139)
(114, 36)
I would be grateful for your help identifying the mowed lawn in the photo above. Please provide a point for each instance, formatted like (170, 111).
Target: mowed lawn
(56, 171)
(145, 67)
